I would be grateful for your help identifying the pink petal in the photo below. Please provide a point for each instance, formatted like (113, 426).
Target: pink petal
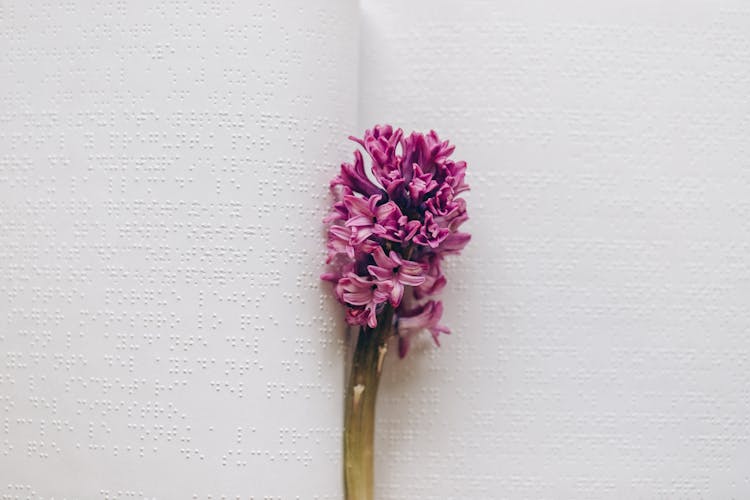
(380, 259)
(396, 259)
(358, 298)
(410, 279)
(380, 273)
(397, 294)
(360, 206)
(386, 211)
(372, 321)
(361, 235)
(359, 220)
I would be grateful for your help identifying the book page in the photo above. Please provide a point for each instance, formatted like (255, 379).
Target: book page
(600, 313)
(163, 176)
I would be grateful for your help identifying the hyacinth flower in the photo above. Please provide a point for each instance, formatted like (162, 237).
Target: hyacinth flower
(389, 230)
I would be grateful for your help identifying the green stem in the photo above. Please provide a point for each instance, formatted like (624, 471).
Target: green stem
(359, 409)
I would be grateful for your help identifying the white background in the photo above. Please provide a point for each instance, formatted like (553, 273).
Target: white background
(163, 172)
(601, 312)
(163, 176)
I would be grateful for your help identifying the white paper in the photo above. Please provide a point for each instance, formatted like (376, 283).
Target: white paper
(163, 174)
(600, 314)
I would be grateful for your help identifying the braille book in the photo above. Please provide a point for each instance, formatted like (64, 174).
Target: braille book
(164, 172)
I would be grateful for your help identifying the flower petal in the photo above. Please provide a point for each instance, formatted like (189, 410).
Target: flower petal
(397, 293)
(410, 279)
(380, 258)
(380, 273)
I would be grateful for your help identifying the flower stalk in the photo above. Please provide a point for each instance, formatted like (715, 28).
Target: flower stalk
(359, 409)
(388, 233)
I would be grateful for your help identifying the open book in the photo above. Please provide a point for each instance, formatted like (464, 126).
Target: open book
(163, 176)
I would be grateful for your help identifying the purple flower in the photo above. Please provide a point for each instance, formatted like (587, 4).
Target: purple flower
(343, 240)
(367, 217)
(431, 234)
(420, 185)
(397, 272)
(405, 231)
(434, 280)
(381, 143)
(425, 317)
(355, 178)
(366, 293)
(454, 243)
(426, 151)
(391, 227)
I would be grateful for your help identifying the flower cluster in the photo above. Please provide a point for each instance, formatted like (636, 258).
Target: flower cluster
(391, 228)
